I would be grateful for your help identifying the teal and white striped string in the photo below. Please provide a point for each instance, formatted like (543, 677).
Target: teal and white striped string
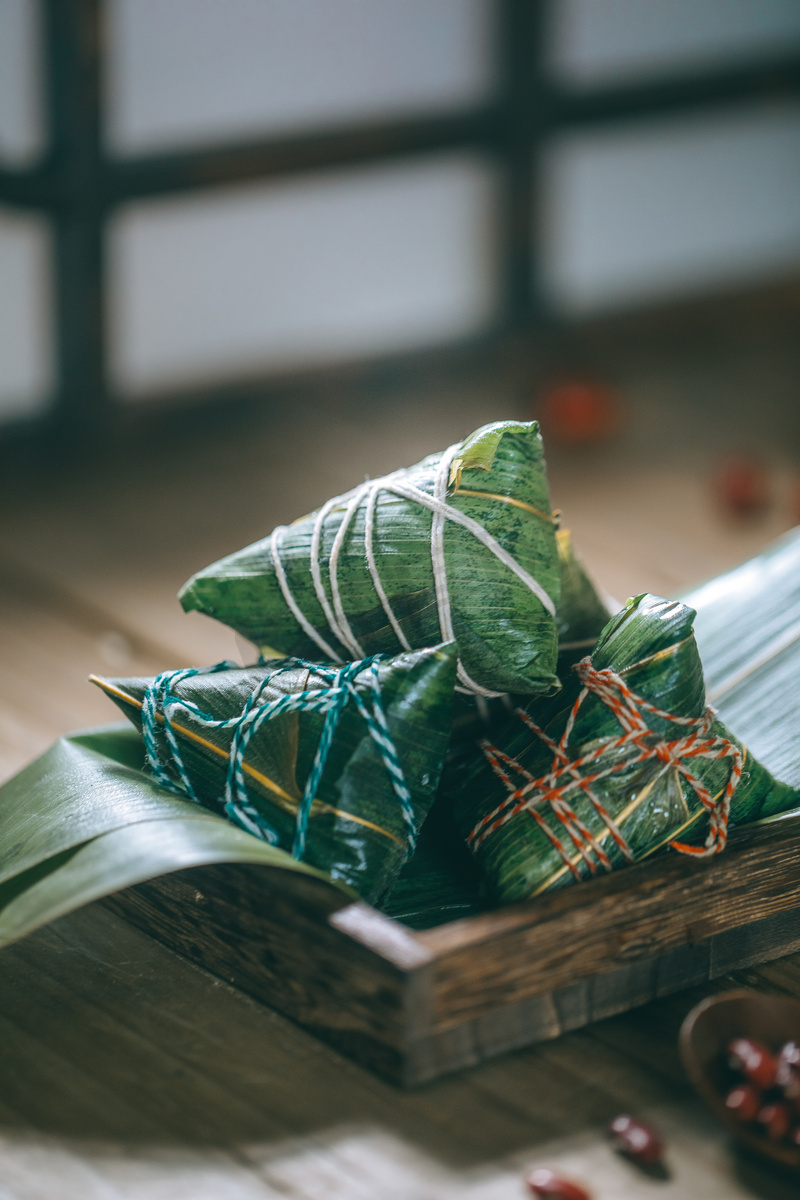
(161, 699)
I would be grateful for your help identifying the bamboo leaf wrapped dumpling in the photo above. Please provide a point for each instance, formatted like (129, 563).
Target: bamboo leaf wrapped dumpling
(625, 760)
(459, 547)
(339, 767)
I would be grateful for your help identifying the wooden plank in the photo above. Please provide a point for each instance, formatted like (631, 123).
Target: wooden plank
(51, 642)
(223, 1097)
(412, 1006)
(284, 953)
(548, 1015)
(526, 949)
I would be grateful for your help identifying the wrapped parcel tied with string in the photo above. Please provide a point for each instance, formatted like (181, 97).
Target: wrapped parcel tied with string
(336, 765)
(626, 759)
(460, 547)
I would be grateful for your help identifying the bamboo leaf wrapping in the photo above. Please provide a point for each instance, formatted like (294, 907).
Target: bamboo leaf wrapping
(748, 633)
(650, 645)
(84, 820)
(581, 615)
(441, 881)
(357, 832)
(506, 633)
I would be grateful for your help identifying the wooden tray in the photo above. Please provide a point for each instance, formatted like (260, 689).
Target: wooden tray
(414, 1005)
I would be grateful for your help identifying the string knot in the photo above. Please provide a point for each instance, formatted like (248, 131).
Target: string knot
(338, 688)
(637, 743)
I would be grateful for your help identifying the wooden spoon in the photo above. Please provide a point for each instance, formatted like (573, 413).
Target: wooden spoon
(704, 1038)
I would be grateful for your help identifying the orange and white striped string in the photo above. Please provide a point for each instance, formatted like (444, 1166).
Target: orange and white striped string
(636, 744)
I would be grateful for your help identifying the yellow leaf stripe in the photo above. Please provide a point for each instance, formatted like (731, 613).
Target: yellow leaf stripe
(258, 776)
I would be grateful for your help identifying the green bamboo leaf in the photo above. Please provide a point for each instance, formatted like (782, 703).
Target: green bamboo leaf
(748, 632)
(83, 786)
(581, 615)
(441, 882)
(90, 821)
(132, 855)
(357, 831)
(505, 632)
(649, 644)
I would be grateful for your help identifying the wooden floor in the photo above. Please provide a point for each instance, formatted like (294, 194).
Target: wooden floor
(126, 1072)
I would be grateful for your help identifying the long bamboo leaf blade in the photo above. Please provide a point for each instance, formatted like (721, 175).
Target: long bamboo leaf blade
(134, 854)
(748, 633)
(505, 633)
(651, 646)
(358, 830)
(93, 822)
(83, 786)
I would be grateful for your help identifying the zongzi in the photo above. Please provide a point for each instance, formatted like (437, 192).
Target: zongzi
(339, 766)
(459, 547)
(626, 759)
(581, 616)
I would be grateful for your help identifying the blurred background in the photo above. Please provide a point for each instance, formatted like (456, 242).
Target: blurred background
(252, 250)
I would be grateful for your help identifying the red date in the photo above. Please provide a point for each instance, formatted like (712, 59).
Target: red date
(744, 1101)
(546, 1183)
(787, 1078)
(754, 1061)
(776, 1121)
(768, 1095)
(742, 485)
(789, 1054)
(635, 1140)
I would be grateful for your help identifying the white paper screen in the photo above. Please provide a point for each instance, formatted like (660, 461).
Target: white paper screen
(667, 207)
(348, 264)
(21, 133)
(605, 41)
(194, 71)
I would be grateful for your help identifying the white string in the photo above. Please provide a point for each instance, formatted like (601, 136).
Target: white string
(342, 628)
(440, 568)
(369, 529)
(410, 492)
(294, 607)
(316, 572)
(437, 547)
(442, 511)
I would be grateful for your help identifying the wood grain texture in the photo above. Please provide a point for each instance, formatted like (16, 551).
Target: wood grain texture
(127, 1072)
(281, 951)
(413, 1006)
(636, 913)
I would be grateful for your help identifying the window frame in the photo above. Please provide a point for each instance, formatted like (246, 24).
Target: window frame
(78, 185)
